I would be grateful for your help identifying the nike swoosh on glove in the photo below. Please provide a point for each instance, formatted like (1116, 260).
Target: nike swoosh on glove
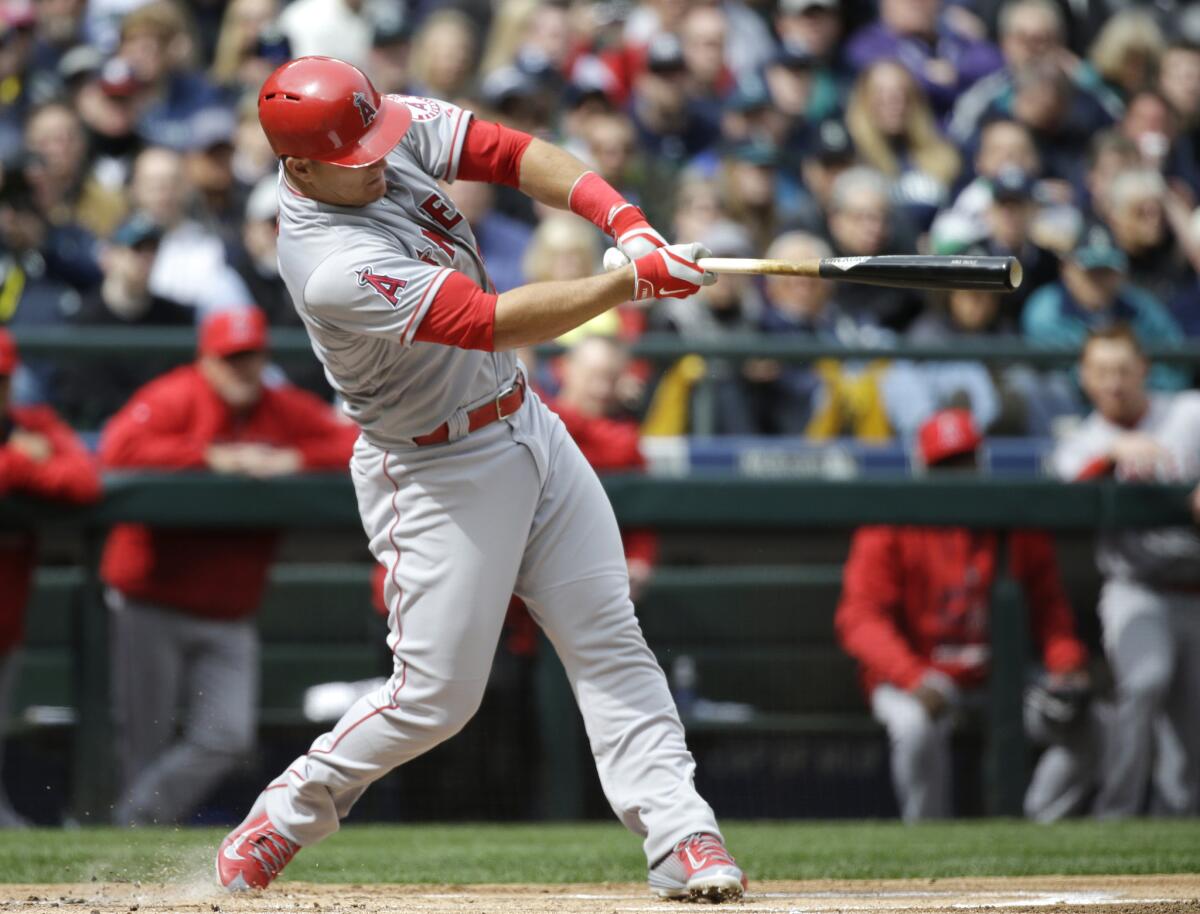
(671, 272)
(634, 235)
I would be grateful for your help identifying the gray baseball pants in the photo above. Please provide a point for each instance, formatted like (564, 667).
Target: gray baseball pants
(921, 762)
(1152, 639)
(512, 508)
(185, 697)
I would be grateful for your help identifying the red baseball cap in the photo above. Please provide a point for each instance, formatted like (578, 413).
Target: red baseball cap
(235, 330)
(947, 433)
(8, 353)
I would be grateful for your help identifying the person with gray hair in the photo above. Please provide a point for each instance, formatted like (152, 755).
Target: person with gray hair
(862, 224)
(1028, 30)
(1149, 224)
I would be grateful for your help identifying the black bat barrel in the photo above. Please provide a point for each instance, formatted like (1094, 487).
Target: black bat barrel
(916, 271)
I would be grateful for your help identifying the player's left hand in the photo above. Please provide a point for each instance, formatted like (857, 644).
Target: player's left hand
(634, 235)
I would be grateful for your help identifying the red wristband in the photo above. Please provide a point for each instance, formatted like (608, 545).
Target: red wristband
(598, 202)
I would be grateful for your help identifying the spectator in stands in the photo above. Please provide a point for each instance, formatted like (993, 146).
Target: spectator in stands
(502, 240)
(1149, 606)
(191, 266)
(1137, 216)
(564, 247)
(183, 600)
(169, 95)
(64, 190)
(58, 30)
(828, 399)
(861, 224)
(208, 163)
(250, 45)
(1109, 153)
(443, 55)
(826, 152)
(593, 404)
(1003, 145)
(1010, 233)
(330, 27)
(1128, 50)
(107, 102)
(918, 33)
(92, 390)
(1095, 292)
(1153, 126)
(895, 132)
(391, 44)
(39, 456)
(1029, 30)
(1179, 82)
(747, 178)
(809, 31)
(254, 257)
(702, 38)
(16, 42)
(915, 613)
(671, 126)
(1047, 102)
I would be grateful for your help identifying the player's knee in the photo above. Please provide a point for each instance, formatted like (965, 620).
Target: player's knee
(457, 701)
(1148, 682)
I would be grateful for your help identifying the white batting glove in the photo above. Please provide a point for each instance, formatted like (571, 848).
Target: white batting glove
(634, 235)
(671, 272)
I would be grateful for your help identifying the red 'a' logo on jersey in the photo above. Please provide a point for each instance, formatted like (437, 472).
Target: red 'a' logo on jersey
(386, 286)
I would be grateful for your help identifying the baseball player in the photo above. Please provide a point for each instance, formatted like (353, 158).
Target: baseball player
(469, 489)
(1150, 602)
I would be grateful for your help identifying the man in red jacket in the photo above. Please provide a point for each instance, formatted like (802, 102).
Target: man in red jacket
(183, 600)
(39, 456)
(587, 403)
(914, 614)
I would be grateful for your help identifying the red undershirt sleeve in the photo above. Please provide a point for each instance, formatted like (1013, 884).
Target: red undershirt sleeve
(492, 152)
(461, 315)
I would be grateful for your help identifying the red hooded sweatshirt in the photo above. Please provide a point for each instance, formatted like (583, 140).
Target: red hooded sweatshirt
(167, 425)
(69, 475)
(916, 599)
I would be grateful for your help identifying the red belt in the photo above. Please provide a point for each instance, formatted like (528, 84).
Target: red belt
(505, 403)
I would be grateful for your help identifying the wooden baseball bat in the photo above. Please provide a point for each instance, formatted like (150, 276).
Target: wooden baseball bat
(911, 271)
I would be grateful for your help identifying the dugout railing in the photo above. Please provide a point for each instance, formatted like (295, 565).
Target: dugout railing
(724, 504)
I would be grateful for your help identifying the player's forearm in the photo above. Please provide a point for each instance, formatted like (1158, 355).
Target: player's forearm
(548, 173)
(542, 311)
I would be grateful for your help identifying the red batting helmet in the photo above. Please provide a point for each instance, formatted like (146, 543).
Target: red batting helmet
(325, 109)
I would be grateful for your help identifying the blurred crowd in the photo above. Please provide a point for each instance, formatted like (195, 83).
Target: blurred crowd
(137, 187)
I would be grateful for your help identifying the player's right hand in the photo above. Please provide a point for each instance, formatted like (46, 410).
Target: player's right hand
(671, 272)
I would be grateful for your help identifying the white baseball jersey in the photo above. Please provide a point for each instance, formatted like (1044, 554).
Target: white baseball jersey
(1167, 555)
(363, 278)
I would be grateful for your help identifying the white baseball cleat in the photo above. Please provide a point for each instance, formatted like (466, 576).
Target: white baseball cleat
(252, 855)
(699, 868)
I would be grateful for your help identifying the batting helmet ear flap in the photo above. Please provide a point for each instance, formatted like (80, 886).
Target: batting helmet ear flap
(326, 109)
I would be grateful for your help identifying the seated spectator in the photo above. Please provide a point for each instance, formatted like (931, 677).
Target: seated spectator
(1094, 293)
(208, 164)
(1109, 153)
(1004, 400)
(914, 613)
(1048, 103)
(328, 27)
(814, 28)
(798, 89)
(708, 396)
(830, 398)
(703, 35)
(863, 224)
(894, 131)
(1137, 217)
(93, 389)
(1154, 127)
(747, 181)
(106, 99)
(501, 240)
(595, 410)
(805, 196)
(1150, 603)
(391, 44)
(1127, 51)
(40, 457)
(250, 46)
(64, 190)
(564, 247)
(670, 124)
(1010, 231)
(444, 54)
(1029, 30)
(1003, 145)
(16, 35)
(1179, 82)
(183, 600)
(254, 257)
(191, 266)
(170, 97)
(944, 60)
